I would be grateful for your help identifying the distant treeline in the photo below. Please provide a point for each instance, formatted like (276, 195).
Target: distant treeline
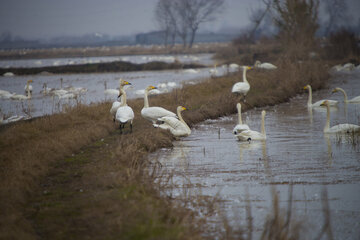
(118, 66)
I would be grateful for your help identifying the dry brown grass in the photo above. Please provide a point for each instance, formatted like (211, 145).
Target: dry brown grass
(118, 198)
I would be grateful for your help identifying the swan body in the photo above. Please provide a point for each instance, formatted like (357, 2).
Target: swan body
(213, 71)
(250, 135)
(6, 94)
(8, 74)
(28, 87)
(110, 91)
(348, 66)
(193, 71)
(177, 127)
(21, 97)
(268, 66)
(242, 87)
(240, 126)
(10, 119)
(171, 84)
(115, 105)
(318, 103)
(353, 100)
(46, 90)
(340, 128)
(153, 113)
(124, 114)
(233, 67)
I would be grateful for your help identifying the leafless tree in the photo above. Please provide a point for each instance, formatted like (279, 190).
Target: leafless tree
(257, 17)
(165, 17)
(200, 11)
(296, 20)
(337, 12)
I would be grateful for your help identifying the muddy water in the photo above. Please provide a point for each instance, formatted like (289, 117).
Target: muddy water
(296, 152)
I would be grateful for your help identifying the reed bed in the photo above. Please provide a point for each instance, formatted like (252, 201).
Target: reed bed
(73, 175)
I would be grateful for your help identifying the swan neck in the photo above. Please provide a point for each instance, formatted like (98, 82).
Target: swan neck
(244, 76)
(239, 115)
(310, 97)
(345, 95)
(263, 124)
(327, 124)
(123, 97)
(146, 100)
(181, 119)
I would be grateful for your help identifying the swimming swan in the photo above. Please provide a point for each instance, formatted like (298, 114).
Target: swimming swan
(177, 127)
(124, 113)
(153, 113)
(117, 103)
(21, 97)
(240, 126)
(248, 135)
(353, 100)
(267, 66)
(242, 87)
(340, 128)
(318, 103)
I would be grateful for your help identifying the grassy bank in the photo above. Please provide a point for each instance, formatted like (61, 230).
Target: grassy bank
(73, 175)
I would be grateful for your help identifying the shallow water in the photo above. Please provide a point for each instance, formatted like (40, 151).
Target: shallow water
(94, 83)
(205, 59)
(296, 152)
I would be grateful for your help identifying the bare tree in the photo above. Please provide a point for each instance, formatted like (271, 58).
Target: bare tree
(164, 15)
(337, 12)
(257, 17)
(297, 21)
(200, 11)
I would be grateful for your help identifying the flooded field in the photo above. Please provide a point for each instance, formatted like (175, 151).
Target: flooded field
(93, 85)
(205, 59)
(211, 161)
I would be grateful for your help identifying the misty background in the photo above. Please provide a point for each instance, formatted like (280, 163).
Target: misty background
(44, 23)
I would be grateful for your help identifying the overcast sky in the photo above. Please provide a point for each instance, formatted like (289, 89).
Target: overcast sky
(48, 18)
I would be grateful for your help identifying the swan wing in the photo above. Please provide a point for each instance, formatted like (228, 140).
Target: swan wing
(355, 100)
(111, 92)
(240, 87)
(154, 113)
(240, 127)
(344, 128)
(176, 127)
(114, 107)
(268, 66)
(250, 134)
(124, 114)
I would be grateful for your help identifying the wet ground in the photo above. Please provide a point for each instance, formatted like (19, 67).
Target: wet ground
(211, 161)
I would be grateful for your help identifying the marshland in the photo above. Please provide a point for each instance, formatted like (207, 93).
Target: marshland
(69, 172)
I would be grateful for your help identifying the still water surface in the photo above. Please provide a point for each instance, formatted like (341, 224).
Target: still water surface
(296, 152)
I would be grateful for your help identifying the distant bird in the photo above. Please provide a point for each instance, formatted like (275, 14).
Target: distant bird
(340, 128)
(240, 126)
(6, 94)
(110, 91)
(177, 127)
(153, 113)
(46, 90)
(268, 66)
(28, 87)
(213, 71)
(124, 113)
(233, 67)
(242, 87)
(318, 103)
(10, 119)
(353, 100)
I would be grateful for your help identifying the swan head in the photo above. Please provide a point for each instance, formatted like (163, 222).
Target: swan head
(181, 108)
(150, 88)
(257, 63)
(123, 82)
(238, 105)
(325, 103)
(246, 67)
(335, 90)
(263, 113)
(29, 81)
(307, 87)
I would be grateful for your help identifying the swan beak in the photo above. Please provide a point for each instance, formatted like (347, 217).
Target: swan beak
(305, 87)
(30, 80)
(183, 108)
(152, 87)
(127, 83)
(333, 91)
(249, 68)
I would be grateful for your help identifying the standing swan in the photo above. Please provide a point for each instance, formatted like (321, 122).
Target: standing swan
(124, 114)
(28, 87)
(242, 87)
(153, 113)
(353, 100)
(240, 126)
(117, 104)
(247, 135)
(340, 128)
(177, 127)
(318, 103)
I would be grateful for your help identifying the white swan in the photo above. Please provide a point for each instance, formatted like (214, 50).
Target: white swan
(233, 67)
(240, 126)
(117, 104)
(110, 91)
(46, 90)
(177, 127)
(250, 135)
(153, 113)
(353, 100)
(10, 119)
(340, 128)
(6, 94)
(21, 97)
(268, 66)
(28, 87)
(213, 71)
(242, 87)
(124, 113)
(318, 103)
